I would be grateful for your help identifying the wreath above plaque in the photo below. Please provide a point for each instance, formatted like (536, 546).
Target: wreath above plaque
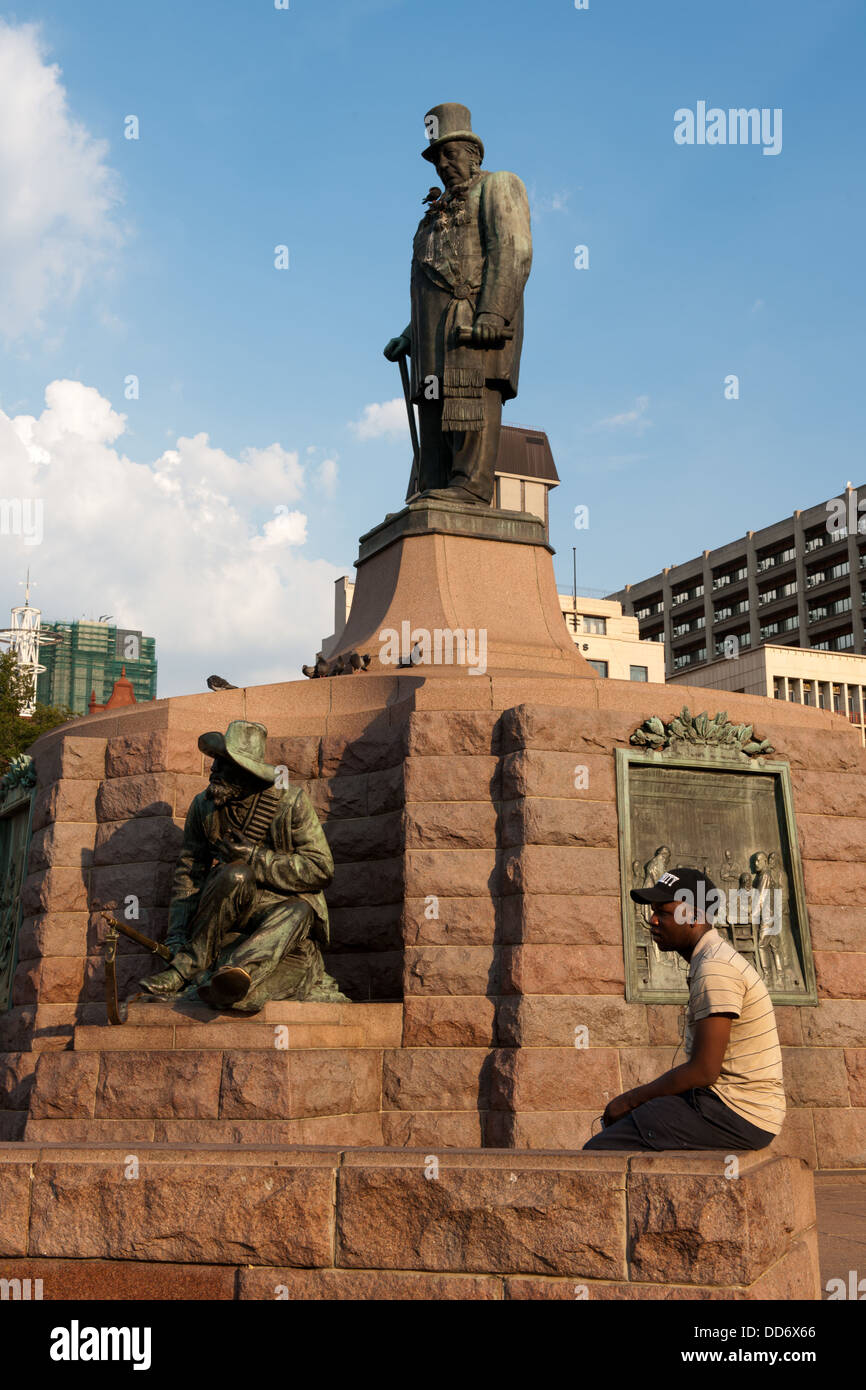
(698, 735)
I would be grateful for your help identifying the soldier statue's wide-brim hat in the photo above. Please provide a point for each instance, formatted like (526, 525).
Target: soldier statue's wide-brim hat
(450, 121)
(244, 743)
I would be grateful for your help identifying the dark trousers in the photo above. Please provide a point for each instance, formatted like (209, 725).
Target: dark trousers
(697, 1119)
(236, 925)
(459, 458)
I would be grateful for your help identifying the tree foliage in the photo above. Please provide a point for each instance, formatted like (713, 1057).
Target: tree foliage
(17, 733)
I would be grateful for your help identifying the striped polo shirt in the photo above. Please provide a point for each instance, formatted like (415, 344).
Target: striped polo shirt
(721, 981)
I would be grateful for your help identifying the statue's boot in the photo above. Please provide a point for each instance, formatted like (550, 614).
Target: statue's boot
(226, 987)
(166, 984)
(451, 494)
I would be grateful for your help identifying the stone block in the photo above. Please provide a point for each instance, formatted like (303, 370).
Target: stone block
(451, 970)
(815, 1076)
(837, 928)
(542, 1129)
(553, 1020)
(187, 788)
(437, 732)
(481, 1217)
(366, 884)
(450, 825)
(840, 1136)
(364, 1285)
(560, 919)
(15, 1206)
(546, 868)
(449, 1021)
(533, 772)
(466, 873)
(144, 840)
(385, 790)
(61, 980)
(56, 889)
(267, 1209)
(171, 750)
(831, 837)
(835, 1023)
(699, 1227)
(299, 755)
(339, 797)
(157, 1085)
(126, 1281)
(544, 821)
(440, 920)
(432, 1078)
(65, 755)
(367, 928)
(65, 1085)
(555, 1078)
(147, 794)
(284, 1085)
(433, 1130)
(69, 800)
(855, 1064)
(365, 837)
(841, 974)
(17, 1070)
(834, 884)
(533, 969)
(448, 778)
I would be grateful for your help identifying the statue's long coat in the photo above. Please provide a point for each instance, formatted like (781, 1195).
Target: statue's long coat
(471, 258)
(293, 860)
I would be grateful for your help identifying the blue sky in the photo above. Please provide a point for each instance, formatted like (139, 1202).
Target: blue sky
(304, 127)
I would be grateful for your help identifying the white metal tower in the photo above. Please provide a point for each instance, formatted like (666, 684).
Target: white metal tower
(23, 638)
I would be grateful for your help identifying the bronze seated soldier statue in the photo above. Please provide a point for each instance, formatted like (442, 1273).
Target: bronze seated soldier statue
(247, 911)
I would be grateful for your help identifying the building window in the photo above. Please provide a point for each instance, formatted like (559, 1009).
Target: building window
(778, 687)
(638, 673)
(600, 668)
(596, 625)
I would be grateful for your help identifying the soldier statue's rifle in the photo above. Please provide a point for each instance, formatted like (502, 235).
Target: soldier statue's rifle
(117, 1011)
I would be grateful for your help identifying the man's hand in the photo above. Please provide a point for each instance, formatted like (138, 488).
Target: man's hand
(233, 846)
(397, 348)
(487, 331)
(617, 1109)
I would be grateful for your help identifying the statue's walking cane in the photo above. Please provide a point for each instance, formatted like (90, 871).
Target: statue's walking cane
(413, 429)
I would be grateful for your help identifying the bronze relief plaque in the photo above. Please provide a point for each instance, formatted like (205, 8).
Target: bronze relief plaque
(734, 821)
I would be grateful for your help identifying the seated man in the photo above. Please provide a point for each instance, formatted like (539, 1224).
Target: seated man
(728, 1094)
(247, 905)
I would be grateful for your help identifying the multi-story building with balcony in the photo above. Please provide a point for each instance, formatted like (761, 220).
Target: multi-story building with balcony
(800, 583)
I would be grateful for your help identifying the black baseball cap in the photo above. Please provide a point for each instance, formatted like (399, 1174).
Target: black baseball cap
(678, 885)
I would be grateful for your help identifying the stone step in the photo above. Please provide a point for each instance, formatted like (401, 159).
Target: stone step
(214, 1083)
(163, 1026)
(361, 1130)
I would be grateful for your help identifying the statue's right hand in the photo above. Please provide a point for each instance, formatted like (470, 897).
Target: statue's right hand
(397, 348)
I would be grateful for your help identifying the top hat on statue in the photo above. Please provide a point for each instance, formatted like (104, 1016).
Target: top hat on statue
(244, 743)
(450, 121)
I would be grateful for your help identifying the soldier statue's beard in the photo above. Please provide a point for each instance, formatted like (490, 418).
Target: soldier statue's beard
(228, 782)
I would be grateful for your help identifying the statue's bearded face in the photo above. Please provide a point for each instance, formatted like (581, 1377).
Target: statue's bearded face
(227, 781)
(455, 161)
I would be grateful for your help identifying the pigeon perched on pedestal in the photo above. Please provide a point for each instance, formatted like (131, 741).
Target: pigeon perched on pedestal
(218, 683)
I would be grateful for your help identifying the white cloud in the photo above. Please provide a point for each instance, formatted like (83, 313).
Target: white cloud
(634, 419)
(389, 418)
(198, 549)
(59, 197)
(326, 477)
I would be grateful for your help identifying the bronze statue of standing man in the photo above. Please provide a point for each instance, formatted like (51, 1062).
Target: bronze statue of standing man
(471, 259)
